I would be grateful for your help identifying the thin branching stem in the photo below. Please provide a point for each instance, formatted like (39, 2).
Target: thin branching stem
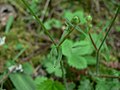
(45, 30)
(61, 63)
(45, 9)
(66, 37)
(63, 75)
(39, 21)
(92, 41)
(99, 48)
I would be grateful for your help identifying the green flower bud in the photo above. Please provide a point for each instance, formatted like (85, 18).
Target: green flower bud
(75, 20)
(89, 18)
(90, 25)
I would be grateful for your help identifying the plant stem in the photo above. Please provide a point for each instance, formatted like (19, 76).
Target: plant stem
(65, 37)
(97, 56)
(61, 63)
(6, 76)
(107, 76)
(19, 54)
(92, 41)
(63, 75)
(45, 9)
(39, 21)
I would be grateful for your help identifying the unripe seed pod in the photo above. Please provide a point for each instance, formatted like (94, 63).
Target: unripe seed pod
(90, 25)
(89, 18)
(75, 20)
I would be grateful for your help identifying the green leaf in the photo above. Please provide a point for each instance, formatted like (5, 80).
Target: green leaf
(5, 46)
(74, 53)
(19, 46)
(67, 47)
(52, 23)
(80, 13)
(1, 77)
(117, 28)
(71, 86)
(103, 84)
(53, 52)
(82, 48)
(79, 48)
(22, 81)
(77, 61)
(57, 23)
(85, 85)
(90, 60)
(28, 68)
(39, 80)
(34, 6)
(49, 64)
(68, 14)
(51, 85)
(48, 24)
(51, 69)
(9, 24)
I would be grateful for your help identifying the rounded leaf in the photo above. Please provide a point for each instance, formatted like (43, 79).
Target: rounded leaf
(77, 61)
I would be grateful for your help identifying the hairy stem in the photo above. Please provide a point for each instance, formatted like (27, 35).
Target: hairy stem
(63, 75)
(66, 36)
(99, 48)
(39, 21)
(92, 41)
(45, 9)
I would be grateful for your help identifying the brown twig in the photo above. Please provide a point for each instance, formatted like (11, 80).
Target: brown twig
(100, 75)
(6, 76)
(107, 76)
(92, 41)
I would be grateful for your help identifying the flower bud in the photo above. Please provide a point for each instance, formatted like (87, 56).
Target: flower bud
(89, 18)
(90, 25)
(75, 20)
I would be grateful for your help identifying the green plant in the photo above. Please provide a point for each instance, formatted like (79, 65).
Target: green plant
(72, 57)
(52, 23)
(9, 23)
(22, 82)
(50, 85)
(49, 63)
(78, 56)
(99, 48)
